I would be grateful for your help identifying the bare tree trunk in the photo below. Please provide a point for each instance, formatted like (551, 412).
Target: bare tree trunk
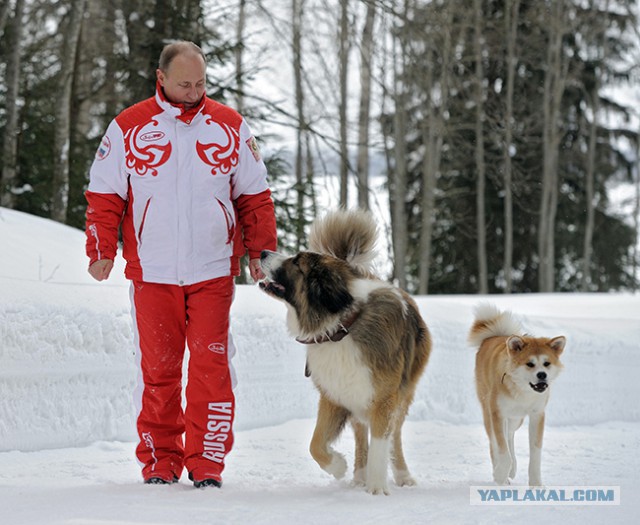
(62, 135)
(589, 189)
(481, 232)
(142, 59)
(387, 97)
(554, 83)
(239, 51)
(239, 66)
(591, 160)
(398, 185)
(511, 30)
(12, 128)
(432, 137)
(364, 115)
(95, 41)
(297, 7)
(4, 15)
(342, 106)
(311, 192)
(636, 221)
(94, 92)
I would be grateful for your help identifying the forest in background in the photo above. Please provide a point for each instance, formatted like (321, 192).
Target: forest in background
(492, 123)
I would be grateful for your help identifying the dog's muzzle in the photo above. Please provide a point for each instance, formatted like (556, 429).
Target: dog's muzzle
(270, 261)
(272, 288)
(539, 387)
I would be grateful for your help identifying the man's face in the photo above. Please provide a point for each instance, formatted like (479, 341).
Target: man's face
(184, 81)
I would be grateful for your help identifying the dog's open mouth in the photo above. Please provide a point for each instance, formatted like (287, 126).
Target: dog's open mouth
(539, 387)
(272, 288)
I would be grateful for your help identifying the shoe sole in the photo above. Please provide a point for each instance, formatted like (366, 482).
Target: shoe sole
(207, 483)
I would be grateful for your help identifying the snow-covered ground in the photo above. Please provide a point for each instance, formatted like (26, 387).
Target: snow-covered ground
(67, 430)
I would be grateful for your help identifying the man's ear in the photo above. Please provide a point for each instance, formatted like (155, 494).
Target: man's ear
(160, 76)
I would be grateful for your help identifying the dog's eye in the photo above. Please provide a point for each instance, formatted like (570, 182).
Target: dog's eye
(531, 365)
(547, 363)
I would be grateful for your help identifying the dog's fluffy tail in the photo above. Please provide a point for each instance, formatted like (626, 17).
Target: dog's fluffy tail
(491, 322)
(349, 235)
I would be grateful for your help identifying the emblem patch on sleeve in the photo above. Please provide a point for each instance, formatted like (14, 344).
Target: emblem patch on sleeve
(253, 146)
(104, 149)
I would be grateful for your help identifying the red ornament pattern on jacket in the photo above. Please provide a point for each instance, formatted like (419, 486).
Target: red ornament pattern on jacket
(221, 157)
(187, 191)
(145, 158)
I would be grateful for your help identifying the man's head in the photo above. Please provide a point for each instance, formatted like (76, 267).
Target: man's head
(182, 73)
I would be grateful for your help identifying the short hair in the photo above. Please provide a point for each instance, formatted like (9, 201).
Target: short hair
(180, 47)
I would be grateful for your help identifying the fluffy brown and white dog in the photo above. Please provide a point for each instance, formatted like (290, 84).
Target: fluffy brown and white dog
(514, 373)
(367, 344)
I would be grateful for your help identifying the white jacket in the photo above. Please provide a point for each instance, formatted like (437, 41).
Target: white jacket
(180, 182)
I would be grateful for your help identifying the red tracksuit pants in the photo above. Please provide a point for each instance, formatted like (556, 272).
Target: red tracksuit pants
(165, 318)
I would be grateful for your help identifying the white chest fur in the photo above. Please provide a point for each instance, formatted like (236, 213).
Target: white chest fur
(523, 404)
(338, 369)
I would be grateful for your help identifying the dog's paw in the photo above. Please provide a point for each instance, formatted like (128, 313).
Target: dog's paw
(377, 481)
(359, 478)
(500, 477)
(501, 481)
(513, 471)
(404, 479)
(501, 472)
(377, 488)
(535, 481)
(338, 466)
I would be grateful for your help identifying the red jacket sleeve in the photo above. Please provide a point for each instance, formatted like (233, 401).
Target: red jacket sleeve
(104, 214)
(258, 221)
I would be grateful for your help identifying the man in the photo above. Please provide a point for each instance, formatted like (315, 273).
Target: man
(183, 178)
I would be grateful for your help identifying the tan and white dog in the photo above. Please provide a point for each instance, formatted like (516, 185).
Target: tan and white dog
(513, 373)
(366, 342)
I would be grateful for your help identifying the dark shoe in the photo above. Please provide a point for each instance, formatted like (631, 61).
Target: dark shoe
(207, 483)
(160, 481)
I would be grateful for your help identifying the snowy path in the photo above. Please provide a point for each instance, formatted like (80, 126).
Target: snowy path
(271, 478)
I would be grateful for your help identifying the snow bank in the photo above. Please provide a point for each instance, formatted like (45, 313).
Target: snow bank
(67, 365)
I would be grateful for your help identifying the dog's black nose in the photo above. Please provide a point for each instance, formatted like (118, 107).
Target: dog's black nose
(541, 375)
(264, 254)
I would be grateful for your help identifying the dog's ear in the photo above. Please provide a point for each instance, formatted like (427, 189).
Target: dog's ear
(515, 344)
(557, 344)
(328, 289)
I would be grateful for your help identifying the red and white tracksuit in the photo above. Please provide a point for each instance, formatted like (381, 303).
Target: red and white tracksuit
(189, 191)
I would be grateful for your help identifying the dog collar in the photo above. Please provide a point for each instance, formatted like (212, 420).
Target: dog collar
(338, 335)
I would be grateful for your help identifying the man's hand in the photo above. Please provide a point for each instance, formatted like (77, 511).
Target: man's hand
(101, 269)
(256, 270)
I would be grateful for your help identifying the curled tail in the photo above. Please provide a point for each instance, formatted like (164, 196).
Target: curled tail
(349, 235)
(491, 322)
